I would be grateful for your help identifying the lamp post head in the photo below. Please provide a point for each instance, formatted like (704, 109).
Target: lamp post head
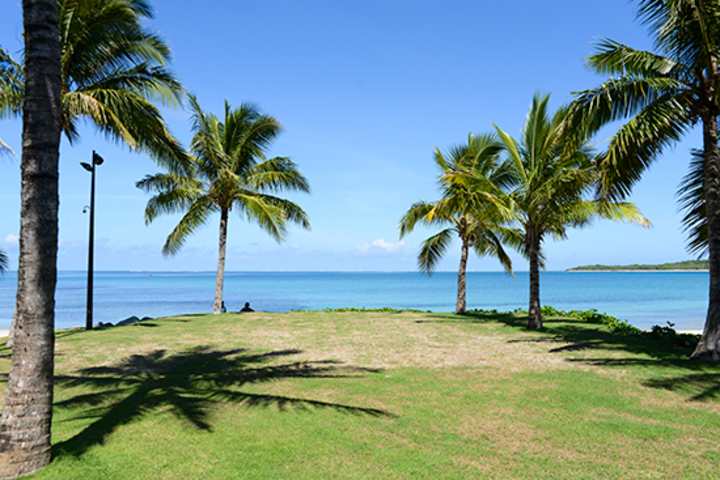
(97, 159)
(87, 166)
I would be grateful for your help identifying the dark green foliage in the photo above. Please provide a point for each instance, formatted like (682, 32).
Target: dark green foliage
(114, 71)
(685, 265)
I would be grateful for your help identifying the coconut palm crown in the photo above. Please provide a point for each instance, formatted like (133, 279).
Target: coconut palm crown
(113, 70)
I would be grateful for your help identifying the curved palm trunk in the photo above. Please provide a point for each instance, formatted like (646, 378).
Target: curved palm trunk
(709, 345)
(534, 315)
(461, 304)
(220, 275)
(27, 415)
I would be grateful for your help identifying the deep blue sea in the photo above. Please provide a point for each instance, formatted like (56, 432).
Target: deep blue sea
(645, 299)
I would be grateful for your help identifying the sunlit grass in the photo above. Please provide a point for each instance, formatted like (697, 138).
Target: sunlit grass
(378, 395)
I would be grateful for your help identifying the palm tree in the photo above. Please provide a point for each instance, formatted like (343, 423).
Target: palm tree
(112, 71)
(664, 94)
(472, 207)
(553, 171)
(228, 170)
(27, 414)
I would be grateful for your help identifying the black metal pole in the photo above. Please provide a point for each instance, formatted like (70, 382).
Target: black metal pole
(91, 252)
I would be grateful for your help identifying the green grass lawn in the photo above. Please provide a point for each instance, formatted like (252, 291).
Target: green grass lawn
(378, 395)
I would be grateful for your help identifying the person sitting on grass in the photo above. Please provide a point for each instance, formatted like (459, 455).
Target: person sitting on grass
(247, 308)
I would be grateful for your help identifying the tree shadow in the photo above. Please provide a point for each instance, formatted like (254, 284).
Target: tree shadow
(189, 384)
(662, 360)
(474, 316)
(705, 386)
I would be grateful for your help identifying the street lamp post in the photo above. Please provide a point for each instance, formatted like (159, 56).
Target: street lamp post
(90, 167)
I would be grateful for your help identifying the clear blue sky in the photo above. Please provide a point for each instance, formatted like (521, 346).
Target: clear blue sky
(365, 90)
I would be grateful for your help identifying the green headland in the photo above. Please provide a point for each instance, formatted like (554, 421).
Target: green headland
(684, 265)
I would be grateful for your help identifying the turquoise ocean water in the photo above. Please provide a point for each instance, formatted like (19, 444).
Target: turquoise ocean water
(642, 298)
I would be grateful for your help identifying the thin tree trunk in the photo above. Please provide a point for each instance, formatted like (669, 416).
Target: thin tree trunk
(220, 275)
(27, 415)
(461, 303)
(534, 315)
(709, 345)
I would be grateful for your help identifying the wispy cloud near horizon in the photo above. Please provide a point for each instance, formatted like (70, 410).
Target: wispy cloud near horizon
(382, 245)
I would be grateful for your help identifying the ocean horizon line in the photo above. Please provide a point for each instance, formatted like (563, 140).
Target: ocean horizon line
(377, 271)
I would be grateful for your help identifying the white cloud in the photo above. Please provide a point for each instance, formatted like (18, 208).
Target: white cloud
(11, 239)
(382, 245)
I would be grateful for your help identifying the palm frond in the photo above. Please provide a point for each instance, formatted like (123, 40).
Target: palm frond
(513, 150)
(616, 58)
(433, 249)
(487, 243)
(420, 212)
(623, 212)
(174, 193)
(196, 216)
(686, 29)
(638, 143)
(278, 174)
(268, 215)
(691, 197)
(128, 117)
(112, 70)
(291, 211)
(620, 98)
(12, 86)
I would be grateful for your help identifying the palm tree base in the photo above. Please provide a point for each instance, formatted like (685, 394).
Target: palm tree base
(534, 323)
(16, 464)
(704, 352)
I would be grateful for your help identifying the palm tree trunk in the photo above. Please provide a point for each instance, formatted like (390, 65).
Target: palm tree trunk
(709, 345)
(534, 315)
(220, 275)
(26, 418)
(461, 304)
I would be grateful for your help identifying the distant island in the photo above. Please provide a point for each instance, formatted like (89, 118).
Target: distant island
(685, 265)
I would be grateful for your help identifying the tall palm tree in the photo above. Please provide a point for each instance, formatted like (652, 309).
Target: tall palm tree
(27, 414)
(228, 169)
(112, 71)
(553, 171)
(473, 207)
(663, 94)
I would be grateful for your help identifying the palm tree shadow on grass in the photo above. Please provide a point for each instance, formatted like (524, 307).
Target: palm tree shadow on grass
(189, 384)
(664, 355)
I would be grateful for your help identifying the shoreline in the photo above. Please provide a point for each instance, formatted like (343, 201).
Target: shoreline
(638, 271)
